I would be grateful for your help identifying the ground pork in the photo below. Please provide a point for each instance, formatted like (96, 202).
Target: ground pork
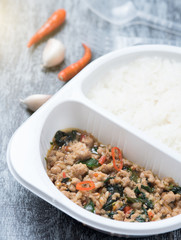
(169, 197)
(80, 150)
(78, 170)
(130, 193)
(127, 195)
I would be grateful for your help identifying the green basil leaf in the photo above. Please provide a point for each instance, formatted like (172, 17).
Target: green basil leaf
(133, 200)
(107, 179)
(139, 219)
(111, 214)
(91, 163)
(108, 205)
(122, 208)
(131, 213)
(115, 189)
(134, 176)
(90, 207)
(127, 168)
(137, 191)
(143, 200)
(63, 138)
(175, 189)
(144, 211)
(147, 188)
(64, 180)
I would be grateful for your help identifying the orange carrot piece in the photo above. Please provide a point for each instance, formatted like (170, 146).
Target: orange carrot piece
(70, 71)
(95, 174)
(127, 209)
(56, 19)
(64, 175)
(150, 214)
(102, 159)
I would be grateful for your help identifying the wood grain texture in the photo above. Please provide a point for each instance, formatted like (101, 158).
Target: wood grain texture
(22, 214)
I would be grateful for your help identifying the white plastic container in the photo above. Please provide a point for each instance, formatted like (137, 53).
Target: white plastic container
(71, 108)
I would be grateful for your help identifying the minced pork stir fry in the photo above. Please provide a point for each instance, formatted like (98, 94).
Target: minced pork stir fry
(99, 179)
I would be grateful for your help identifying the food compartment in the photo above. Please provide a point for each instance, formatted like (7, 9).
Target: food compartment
(72, 114)
(137, 87)
(123, 57)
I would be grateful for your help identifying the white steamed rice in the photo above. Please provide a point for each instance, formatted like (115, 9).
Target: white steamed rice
(147, 94)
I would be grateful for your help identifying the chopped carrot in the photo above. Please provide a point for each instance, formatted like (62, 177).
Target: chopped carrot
(66, 148)
(114, 159)
(150, 214)
(127, 209)
(70, 71)
(81, 188)
(95, 174)
(64, 175)
(55, 20)
(102, 159)
(114, 208)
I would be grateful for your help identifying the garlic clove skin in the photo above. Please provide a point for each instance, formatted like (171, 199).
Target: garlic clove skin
(53, 53)
(33, 102)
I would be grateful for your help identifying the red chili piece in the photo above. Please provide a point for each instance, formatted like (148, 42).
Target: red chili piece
(118, 168)
(102, 159)
(81, 188)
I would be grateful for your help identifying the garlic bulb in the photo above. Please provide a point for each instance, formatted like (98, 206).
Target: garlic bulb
(54, 53)
(33, 102)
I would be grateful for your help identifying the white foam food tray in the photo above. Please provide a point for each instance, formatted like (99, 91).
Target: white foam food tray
(70, 108)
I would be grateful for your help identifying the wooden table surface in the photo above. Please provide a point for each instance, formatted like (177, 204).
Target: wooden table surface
(22, 214)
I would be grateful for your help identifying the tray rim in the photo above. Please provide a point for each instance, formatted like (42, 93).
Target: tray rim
(77, 81)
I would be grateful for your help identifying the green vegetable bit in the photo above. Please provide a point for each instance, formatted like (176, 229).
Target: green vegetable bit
(91, 163)
(175, 189)
(134, 176)
(109, 204)
(148, 203)
(115, 189)
(127, 168)
(131, 213)
(144, 211)
(147, 188)
(64, 180)
(90, 207)
(133, 200)
(140, 219)
(62, 138)
(122, 207)
(111, 214)
(142, 199)
(107, 179)
(137, 191)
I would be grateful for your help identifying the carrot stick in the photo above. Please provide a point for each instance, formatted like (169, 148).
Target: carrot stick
(56, 19)
(70, 71)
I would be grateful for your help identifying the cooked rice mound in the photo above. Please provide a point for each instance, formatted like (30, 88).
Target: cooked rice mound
(146, 93)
